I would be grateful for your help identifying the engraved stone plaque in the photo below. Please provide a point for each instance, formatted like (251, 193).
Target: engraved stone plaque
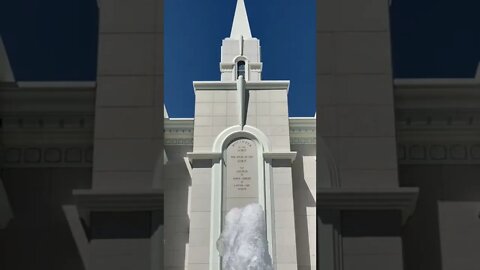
(240, 178)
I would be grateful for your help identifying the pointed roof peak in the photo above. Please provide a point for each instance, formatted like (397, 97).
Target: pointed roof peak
(6, 73)
(240, 26)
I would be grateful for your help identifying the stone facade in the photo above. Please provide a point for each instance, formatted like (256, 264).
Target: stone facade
(95, 170)
(230, 111)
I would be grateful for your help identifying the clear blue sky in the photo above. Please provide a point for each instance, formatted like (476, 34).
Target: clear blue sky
(52, 40)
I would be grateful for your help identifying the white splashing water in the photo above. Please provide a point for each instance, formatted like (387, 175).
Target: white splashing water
(243, 243)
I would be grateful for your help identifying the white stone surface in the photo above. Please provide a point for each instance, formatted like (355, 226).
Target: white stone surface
(191, 190)
(121, 16)
(241, 180)
(240, 26)
(121, 123)
(127, 54)
(125, 91)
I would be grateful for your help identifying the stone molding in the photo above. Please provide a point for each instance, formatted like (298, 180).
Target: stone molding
(430, 127)
(203, 156)
(403, 199)
(49, 122)
(303, 130)
(280, 155)
(439, 153)
(438, 121)
(119, 200)
(47, 156)
(180, 131)
(250, 85)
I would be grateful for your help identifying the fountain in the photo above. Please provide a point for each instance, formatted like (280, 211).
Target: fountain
(243, 243)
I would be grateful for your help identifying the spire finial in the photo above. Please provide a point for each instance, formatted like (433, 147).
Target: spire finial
(240, 26)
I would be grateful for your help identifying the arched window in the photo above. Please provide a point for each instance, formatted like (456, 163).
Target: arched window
(241, 69)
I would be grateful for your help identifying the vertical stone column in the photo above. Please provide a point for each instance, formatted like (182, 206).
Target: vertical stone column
(128, 137)
(355, 91)
(356, 119)
(200, 215)
(267, 123)
(129, 101)
(284, 217)
(268, 111)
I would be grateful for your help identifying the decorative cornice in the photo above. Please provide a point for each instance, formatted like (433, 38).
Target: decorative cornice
(203, 156)
(119, 200)
(47, 100)
(268, 85)
(437, 83)
(57, 84)
(229, 66)
(438, 153)
(438, 124)
(438, 121)
(180, 131)
(226, 66)
(303, 130)
(251, 85)
(437, 93)
(14, 156)
(255, 66)
(280, 155)
(403, 199)
(53, 122)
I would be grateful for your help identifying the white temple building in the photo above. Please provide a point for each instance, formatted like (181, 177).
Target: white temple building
(95, 175)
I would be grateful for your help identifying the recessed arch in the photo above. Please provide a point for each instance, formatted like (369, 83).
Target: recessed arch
(221, 143)
(239, 59)
(236, 131)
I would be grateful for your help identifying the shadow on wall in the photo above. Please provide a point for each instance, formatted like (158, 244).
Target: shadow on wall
(303, 199)
(5, 209)
(36, 197)
(177, 184)
(327, 172)
(329, 247)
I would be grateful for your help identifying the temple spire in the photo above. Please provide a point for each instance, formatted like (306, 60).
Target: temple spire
(240, 26)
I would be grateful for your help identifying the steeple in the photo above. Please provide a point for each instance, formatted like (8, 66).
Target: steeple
(240, 26)
(240, 52)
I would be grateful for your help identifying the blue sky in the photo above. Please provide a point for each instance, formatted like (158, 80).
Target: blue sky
(194, 31)
(51, 40)
(56, 40)
(435, 38)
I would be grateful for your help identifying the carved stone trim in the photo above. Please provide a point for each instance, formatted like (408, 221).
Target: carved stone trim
(226, 67)
(259, 85)
(47, 156)
(256, 66)
(48, 122)
(180, 131)
(438, 119)
(439, 153)
(280, 155)
(203, 155)
(403, 199)
(303, 131)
